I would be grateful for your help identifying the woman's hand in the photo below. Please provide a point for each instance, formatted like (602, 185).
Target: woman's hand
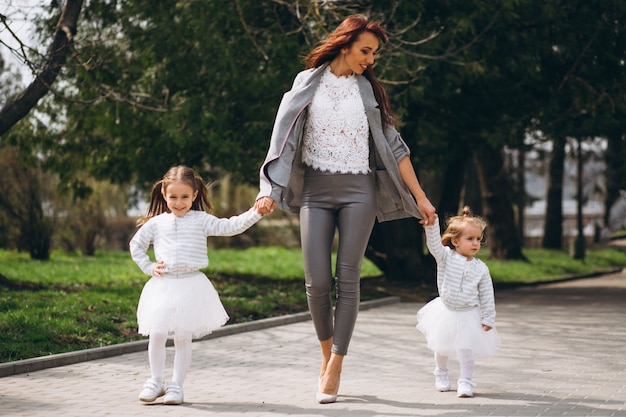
(486, 328)
(428, 211)
(265, 205)
(410, 180)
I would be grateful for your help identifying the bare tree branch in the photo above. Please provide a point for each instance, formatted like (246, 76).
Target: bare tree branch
(142, 101)
(21, 50)
(64, 33)
(581, 55)
(450, 52)
(249, 32)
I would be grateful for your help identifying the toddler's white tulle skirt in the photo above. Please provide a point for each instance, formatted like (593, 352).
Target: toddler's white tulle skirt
(448, 332)
(180, 306)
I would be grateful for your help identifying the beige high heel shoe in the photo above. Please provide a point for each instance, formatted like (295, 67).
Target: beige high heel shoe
(324, 398)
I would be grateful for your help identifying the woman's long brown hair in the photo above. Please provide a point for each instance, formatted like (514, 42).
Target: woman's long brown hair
(343, 37)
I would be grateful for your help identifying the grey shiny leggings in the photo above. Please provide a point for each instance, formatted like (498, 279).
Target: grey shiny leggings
(330, 202)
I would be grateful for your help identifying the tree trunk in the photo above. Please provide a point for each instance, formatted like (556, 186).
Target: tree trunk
(501, 233)
(614, 171)
(578, 251)
(397, 248)
(16, 110)
(453, 183)
(553, 229)
(21, 196)
(36, 228)
(521, 197)
(472, 189)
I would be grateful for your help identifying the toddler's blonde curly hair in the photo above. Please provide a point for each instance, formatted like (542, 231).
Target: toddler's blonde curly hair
(456, 226)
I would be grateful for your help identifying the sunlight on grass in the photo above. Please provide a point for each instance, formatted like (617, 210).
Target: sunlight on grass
(73, 302)
(105, 267)
(270, 262)
(547, 264)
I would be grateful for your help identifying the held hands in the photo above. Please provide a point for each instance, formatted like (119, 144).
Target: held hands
(486, 328)
(428, 211)
(159, 269)
(265, 205)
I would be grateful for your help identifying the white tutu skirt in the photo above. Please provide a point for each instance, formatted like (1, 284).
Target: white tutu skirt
(448, 332)
(188, 305)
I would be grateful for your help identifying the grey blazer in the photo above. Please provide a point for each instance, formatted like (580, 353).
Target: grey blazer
(281, 175)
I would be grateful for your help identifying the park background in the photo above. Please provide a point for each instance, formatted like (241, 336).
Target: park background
(513, 107)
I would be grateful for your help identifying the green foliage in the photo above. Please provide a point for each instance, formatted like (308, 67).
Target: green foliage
(23, 193)
(502, 67)
(82, 215)
(548, 264)
(198, 82)
(40, 212)
(178, 82)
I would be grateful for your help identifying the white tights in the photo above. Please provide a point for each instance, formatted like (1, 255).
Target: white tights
(157, 353)
(466, 363)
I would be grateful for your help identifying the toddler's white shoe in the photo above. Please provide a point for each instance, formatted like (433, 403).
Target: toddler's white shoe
(464, 388)
(173, 394)
(152, 389)
(442, 381)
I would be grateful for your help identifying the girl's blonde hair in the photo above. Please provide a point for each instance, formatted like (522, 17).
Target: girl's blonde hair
(456, 226)
(182, 173)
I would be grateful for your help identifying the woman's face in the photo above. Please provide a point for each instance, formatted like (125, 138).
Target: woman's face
(357, 57)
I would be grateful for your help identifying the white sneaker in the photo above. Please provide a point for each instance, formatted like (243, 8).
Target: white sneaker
(152, 389)
(173, 394)
(464, 388)
(442, 381)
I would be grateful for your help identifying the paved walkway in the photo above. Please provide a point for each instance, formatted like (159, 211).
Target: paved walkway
(563, 354)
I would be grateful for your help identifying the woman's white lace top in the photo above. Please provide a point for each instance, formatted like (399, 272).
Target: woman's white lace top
(336, 134)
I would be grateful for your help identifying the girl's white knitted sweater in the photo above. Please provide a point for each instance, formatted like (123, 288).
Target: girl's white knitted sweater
(181, 242)
(462, 284)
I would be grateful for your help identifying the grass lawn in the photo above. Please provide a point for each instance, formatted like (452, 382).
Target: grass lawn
(74, 302)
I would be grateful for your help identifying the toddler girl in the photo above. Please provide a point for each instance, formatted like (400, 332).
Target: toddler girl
(461, 320)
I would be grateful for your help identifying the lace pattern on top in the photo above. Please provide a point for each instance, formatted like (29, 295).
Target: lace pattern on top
(336, 134)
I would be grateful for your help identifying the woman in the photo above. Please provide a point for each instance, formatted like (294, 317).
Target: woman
(336, 157)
